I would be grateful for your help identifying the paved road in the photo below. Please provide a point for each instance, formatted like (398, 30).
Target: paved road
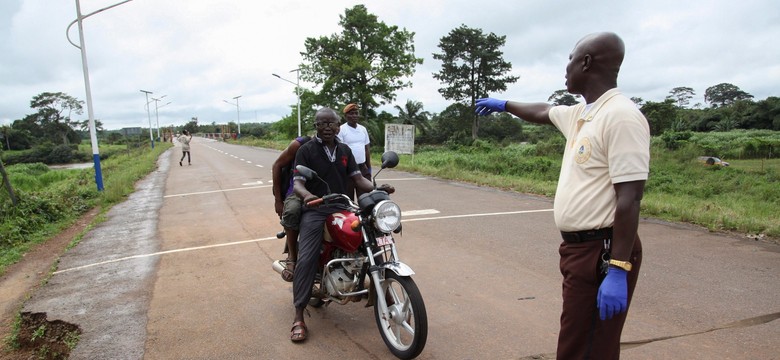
(182, 271)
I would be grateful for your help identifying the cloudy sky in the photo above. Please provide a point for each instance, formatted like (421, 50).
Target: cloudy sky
(199, 53)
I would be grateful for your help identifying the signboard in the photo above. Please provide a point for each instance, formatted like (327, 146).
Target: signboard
(399, 138)
(131, 131)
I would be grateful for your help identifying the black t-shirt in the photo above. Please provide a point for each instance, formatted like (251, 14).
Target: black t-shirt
(314, 156)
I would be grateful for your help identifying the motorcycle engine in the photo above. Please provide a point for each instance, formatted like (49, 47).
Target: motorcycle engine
(344, 276)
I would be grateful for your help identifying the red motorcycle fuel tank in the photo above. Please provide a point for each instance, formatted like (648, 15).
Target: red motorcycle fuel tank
(339, 227)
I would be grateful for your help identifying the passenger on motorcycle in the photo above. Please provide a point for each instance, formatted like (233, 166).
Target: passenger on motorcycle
(335, 164)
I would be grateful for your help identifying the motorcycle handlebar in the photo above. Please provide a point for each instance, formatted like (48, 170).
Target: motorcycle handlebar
(326, 199)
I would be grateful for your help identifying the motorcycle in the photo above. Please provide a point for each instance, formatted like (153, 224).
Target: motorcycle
(359, 260)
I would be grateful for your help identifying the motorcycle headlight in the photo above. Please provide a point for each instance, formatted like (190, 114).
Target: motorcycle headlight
(387, 216)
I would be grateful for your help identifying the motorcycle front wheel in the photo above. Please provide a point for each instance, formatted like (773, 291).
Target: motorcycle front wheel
(405, 327)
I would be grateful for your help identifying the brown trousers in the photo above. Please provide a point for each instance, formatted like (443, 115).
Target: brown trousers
(583, 334)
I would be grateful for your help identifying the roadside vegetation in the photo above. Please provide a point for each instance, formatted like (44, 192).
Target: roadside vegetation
(51, 200)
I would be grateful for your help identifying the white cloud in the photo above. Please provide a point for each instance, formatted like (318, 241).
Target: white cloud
(201, 52)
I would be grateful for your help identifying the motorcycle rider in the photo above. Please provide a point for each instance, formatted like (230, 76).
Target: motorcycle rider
(334, 163)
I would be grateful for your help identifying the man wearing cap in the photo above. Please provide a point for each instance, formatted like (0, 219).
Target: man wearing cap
(356, 137)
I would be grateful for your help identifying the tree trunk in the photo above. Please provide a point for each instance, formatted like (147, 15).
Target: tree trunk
(475, 128)
(7, 183)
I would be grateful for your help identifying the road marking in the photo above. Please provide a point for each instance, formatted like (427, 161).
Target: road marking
(477, 215)
(258, 182)
(216, 191)
(165, 253)
(419, 212)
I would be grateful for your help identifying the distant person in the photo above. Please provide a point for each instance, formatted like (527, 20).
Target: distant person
(356, 137)
(286, 203)
(185, 139)
(606, 162)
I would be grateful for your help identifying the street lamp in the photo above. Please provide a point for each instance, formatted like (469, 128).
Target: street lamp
(151, 137)
(238, 113)
(156, 115)
(297, 87)
(85, 67)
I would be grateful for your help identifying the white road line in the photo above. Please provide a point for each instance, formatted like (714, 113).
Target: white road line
(164, 253)
(216, 191)
(477, 215)
(419, 212)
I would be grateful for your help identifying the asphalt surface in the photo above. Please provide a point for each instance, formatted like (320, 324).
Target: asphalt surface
(182, 270)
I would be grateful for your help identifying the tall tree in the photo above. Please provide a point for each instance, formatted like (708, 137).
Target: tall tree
(724, 94)
(366, 63)
(682, 95)
(53, 115)
(472, 67)
(563, 97)
(413, 114)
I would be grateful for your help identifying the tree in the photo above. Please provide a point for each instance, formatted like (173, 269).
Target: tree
(412, 114)
(660, 115)
(563, 97)
(54, 115)
(366, 63)
(472, 67)
(724, 94)
(682, 95)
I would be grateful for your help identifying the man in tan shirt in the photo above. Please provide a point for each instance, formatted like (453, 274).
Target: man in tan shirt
(605, 165)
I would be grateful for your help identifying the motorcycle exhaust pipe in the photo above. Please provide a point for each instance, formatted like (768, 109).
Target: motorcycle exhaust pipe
(278, 266)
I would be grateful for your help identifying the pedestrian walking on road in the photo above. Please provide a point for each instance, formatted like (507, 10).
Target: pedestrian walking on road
(185, 139)
(605, 165)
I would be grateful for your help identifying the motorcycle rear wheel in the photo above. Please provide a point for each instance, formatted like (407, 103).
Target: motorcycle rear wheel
(405, 330)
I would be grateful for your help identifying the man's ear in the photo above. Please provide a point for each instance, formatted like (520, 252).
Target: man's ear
(587, 62)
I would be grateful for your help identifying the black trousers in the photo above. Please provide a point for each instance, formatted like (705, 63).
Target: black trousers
(309, 245)
(187, 154)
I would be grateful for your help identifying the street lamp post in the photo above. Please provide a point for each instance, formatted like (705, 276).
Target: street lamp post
(149, 115)
(85, 67)
(156, 115)
(297, 94)
(238, 113)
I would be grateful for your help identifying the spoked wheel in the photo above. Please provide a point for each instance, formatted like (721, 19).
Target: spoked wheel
(404, 326)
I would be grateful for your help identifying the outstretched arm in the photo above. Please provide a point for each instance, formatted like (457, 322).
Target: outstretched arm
(533, 112)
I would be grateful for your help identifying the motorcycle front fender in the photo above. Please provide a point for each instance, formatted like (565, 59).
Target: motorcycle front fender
(399, 268)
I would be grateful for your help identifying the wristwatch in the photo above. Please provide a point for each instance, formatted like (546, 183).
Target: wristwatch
(625, 265)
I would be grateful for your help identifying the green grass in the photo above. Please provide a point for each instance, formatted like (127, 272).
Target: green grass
(52, 200)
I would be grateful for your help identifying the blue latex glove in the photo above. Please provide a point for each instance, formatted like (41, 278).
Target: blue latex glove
(613, 294)
(487, 106)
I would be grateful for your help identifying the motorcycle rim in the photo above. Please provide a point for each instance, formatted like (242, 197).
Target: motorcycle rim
(405, 329)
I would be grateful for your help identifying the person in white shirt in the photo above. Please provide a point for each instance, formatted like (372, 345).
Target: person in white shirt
(355, 136)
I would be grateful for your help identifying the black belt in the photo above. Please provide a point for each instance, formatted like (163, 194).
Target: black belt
(586, 235)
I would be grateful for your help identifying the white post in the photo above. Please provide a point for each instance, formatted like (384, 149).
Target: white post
(90, 112)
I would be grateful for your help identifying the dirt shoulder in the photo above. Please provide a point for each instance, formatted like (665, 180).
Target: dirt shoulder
(23, 278)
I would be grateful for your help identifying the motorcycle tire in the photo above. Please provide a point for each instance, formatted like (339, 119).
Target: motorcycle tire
(405, 329)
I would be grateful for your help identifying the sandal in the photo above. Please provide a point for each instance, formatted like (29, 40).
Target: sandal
(298, 331)
(288, 272)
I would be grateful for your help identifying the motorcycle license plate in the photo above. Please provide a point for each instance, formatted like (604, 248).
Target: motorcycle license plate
(384, 240)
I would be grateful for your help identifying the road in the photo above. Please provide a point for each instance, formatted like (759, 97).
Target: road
(182, 270)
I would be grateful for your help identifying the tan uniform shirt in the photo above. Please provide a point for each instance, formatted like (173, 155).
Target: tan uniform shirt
(608, 144)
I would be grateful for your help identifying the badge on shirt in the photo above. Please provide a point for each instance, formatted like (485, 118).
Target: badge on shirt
(582, 151)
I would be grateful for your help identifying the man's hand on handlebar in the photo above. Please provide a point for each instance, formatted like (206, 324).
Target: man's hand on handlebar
(386, 188)
(311, 200)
